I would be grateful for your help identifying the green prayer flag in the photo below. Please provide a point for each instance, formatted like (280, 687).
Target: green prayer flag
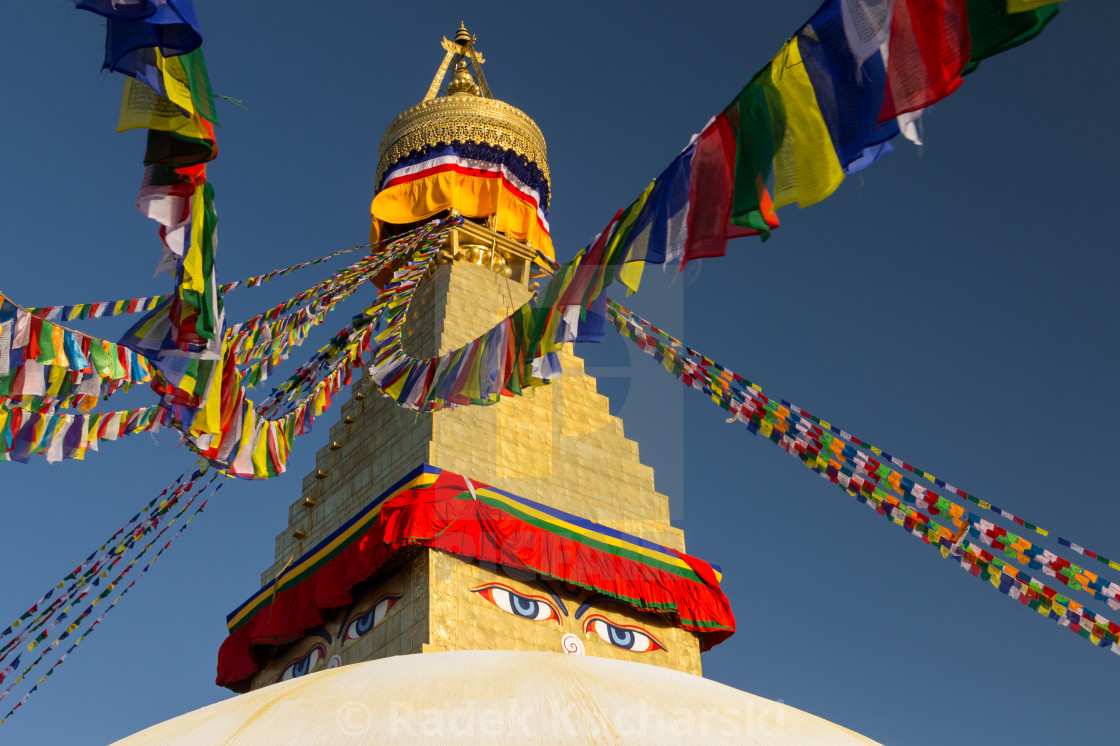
(994, 30)
(757, 118)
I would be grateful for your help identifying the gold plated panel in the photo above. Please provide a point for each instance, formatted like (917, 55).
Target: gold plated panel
(463, 618)
(465, 118)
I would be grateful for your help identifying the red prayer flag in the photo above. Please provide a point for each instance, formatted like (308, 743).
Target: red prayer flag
(710, 195)
(929, 47)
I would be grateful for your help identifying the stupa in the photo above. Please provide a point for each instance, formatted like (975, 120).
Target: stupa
(480, 571)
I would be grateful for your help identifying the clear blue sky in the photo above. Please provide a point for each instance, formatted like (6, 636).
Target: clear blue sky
(954, 304)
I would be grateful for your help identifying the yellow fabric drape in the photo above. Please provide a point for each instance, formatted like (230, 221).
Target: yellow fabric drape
(473, 196)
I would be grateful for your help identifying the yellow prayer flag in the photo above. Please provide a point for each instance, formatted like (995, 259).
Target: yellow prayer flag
(1021, 6)
(631, 276)
(806, 169)
(631, 273)
(170, 109)
(56, 376)
(194, 279)
(209, 418)
(58, 339)
(260, 451)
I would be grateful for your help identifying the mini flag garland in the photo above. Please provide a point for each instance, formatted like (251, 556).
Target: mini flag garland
(114, 584)
(271, 342)
(30, 425)
(859, 474)
(88, 568)
(726, 384)
(138, 305)
(48, 363)
(68, 436)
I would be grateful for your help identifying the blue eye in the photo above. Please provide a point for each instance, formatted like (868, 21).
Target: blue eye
(525, 607)
(516, 604)
(627, 638)
(302, 666)
(619, 637)
(366, 621)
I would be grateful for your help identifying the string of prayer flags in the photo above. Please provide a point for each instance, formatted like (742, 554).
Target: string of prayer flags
(138, 305)
(157, 44)
(56, 436)
(854, 77)
(92, 566)
(207, 402)
(746, 401)
(735, 379)
(217, 419)
(44, 361)
(887, 491)
(101, 570)
(115, 585)
(415, 250)
(270, 342)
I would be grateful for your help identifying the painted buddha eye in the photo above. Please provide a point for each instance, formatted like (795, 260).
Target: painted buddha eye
(303, 665)
(369, 619)
(526, 607)
(634, 639)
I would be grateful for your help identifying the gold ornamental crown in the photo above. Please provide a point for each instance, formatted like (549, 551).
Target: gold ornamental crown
(468, 113)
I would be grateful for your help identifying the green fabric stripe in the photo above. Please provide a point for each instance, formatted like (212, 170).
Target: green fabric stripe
(587, 541)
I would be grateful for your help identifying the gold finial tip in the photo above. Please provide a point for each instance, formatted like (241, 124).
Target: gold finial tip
(461, 81)
(462, 36)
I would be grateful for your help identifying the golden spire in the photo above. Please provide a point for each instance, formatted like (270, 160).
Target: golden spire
(458, 52)
(462, 36)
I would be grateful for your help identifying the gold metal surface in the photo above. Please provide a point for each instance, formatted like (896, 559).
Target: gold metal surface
(462, 82)
(472, 243)
(462, 117)
(463, 619)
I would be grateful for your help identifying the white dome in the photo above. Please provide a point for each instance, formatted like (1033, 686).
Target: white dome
(497, 696)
